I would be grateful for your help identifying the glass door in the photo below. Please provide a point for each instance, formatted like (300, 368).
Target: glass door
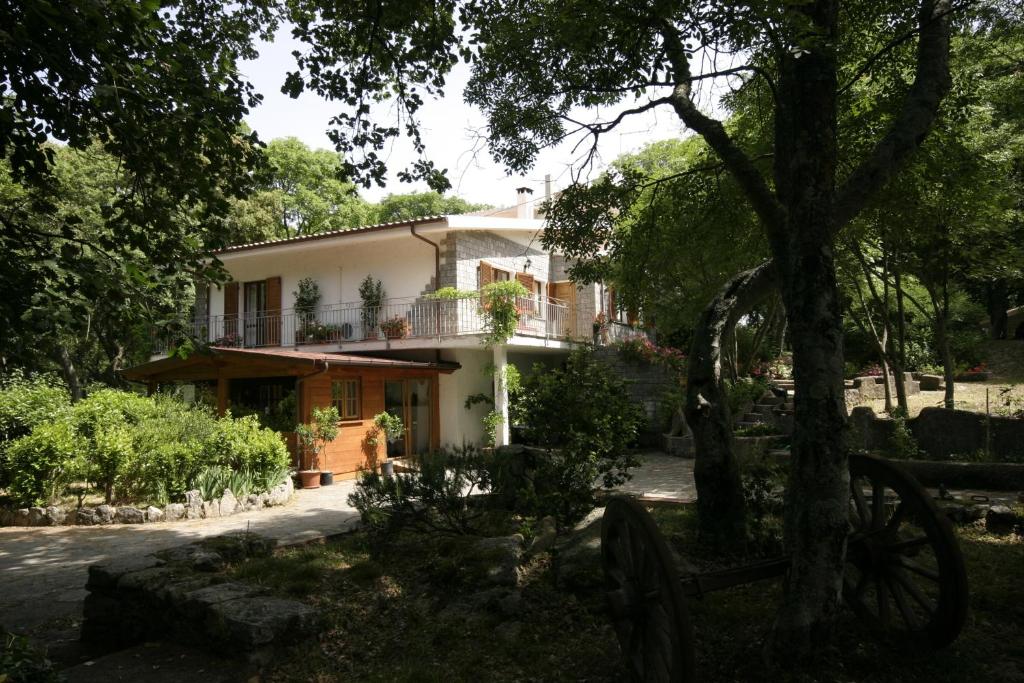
(255, 312)
(410, 400)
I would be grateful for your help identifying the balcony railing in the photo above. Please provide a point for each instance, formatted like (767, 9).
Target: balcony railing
(410, 318)
(618, 332)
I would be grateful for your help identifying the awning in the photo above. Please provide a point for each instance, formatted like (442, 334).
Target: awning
(218, 361)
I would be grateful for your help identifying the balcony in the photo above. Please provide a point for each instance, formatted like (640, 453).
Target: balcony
(354, 323)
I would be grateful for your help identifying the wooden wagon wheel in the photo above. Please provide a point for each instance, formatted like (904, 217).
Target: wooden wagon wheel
(645, 595)
(904, 570)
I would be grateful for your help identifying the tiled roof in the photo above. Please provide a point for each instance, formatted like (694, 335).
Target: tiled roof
(331, 233)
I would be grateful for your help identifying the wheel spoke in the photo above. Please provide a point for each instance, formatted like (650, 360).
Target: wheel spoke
(897, 517)
(859, 502)
(908, 544)
(902, 606)
(877, 504)
(915, 592)
(919, 570)
(882, 595)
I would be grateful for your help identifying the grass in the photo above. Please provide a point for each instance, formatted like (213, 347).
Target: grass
(386, 620)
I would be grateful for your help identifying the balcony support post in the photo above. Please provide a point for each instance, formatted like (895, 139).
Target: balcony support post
(502, 434)
(223, 387)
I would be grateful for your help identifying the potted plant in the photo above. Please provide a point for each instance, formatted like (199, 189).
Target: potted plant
(314, 438)
(391, 427)
(395, 328)
(372, 293)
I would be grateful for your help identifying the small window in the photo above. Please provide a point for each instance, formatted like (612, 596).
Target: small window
(345, 397)
(502, 275)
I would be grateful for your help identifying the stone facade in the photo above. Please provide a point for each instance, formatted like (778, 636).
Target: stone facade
(648, 384)
(461, 253)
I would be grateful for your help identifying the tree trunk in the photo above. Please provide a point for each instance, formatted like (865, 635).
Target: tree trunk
(69, 372)
(940, 305)
(998, 296)
(721, 511)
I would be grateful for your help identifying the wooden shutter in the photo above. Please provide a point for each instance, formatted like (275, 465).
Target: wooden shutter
(527, 281)
(486, 277)
(613, 313)
(273, 312)
(231, 309)
(565, 292)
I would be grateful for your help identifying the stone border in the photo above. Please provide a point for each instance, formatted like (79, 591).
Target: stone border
(194, 507)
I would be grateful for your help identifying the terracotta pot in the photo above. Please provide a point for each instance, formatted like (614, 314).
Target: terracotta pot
(309, 479)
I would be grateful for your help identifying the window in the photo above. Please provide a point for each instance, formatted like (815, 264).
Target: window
(345, 397)
(502, 275)
(538, 298)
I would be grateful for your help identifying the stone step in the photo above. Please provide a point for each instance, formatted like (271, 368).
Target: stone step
(757, 418)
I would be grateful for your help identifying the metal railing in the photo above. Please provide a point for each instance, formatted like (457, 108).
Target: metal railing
(410, 318)
(618, 332)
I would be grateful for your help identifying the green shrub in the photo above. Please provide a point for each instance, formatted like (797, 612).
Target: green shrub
(42, 463)
(21, 663)
(211, 481)
(24, 403)
(176, 443)
(903, 445)
(243, 444)
(743, 392)
(584, 415)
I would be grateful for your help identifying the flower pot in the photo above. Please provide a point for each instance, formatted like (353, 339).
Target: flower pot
(309, 479)
(387, 468)
(326, 478)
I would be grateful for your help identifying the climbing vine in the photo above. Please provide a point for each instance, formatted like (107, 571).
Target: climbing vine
(500, 304)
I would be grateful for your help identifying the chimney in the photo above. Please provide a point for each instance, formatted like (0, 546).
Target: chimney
(547, 187)
(524, 203)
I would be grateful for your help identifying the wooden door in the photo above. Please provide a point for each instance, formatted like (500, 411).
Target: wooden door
(565, 292)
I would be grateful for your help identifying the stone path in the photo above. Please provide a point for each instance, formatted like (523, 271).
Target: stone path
(43, 570)
(663, 477)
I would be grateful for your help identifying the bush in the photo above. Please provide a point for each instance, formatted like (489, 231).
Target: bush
(584, 415)
(743, 392)
(42, 463)
(242, 444)
(24, 403)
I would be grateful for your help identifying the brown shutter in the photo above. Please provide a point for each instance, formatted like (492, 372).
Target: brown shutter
(231, 309)
(273, 312)
(527, 281)
(612, 310)
(486, 277)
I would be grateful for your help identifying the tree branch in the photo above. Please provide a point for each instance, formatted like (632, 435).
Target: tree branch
(764, 201)
(920, 108)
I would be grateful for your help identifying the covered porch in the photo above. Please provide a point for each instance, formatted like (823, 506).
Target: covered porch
(360, 387)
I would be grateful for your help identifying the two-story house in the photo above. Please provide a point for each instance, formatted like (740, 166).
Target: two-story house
(409, 354)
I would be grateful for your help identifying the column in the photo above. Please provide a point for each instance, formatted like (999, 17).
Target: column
(223, 385)
(501, 395)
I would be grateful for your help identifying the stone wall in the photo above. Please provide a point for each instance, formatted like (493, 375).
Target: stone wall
(462, 251)
(944, 434)
(178, 595)
(194, 507)
(648, 385)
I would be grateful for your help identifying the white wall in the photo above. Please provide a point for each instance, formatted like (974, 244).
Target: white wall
(459, 425)
(403, 263)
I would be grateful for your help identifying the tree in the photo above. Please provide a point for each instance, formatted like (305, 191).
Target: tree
(402, 207)
(535, 63)
(156, 86)
(301, 193)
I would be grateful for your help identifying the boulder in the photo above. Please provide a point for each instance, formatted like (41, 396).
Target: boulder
(105, 514)
(174, 512)
(6, 517)
(87, 517)
(105, 576)
(251, 623)
(147, 580)
(55, 515)
(37, 516)
(498, 559)
(932, 383)
(254, 502)
(282, 493)
(546, 535)
(130, 515)
(1001, 520)
(154, 514)
(211, 508)
(193, 504)
(21, 517)
(196, 603)
(228, 503)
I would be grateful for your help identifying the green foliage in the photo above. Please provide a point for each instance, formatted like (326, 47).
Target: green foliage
(315, 436)
(763, 486)
(902, 444)
(211, 481)
(307, 297)
(22, 663)
(452, 294)
(433, 498)
(500, 304)
(402, 207)
(743, 392)
(26, 402)
(492, 422)
(42, 463)
(387, 425)
(584, 415)
(760, 429)
(372, 294)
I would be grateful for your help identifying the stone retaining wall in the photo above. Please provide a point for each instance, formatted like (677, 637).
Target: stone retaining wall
(194, 507)
(176, 595)
(648, 385)
(944, 434)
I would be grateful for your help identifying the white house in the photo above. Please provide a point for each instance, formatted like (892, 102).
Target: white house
(412, 355)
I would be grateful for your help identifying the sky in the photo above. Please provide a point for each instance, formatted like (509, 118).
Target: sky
(448, 131)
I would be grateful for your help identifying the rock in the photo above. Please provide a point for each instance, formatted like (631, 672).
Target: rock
(6, 517)
(196, 603)
(1001, 520)
(174, 511)
(130, 515)
(207, 561)
(37, 516)
(499, 557)
(154, 514)
(250, 623)
(211, 509)
(21, 517)
(932, 383)
(145, 580)
(263, 498)
(228, 503)
(193, 504)
(254, 502)
(86, 517)
(577, 556)
(55, 515)
(546, 535)
(282, 493)
(105, 514)
(194, 556)
(959, 513)
(235, 547)
(105, 576)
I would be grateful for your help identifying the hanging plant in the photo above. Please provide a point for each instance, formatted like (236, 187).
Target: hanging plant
(501, 310)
